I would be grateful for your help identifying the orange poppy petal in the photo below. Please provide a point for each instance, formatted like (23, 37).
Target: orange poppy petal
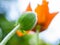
(44, 17)
(19, 33)
(48, 21)
(41, 16)
(29, 8)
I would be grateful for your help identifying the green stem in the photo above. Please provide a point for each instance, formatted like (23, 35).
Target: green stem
(37, 31)
(37, 37)
(9, 35)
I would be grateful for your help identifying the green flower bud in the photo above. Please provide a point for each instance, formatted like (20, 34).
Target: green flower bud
(27, 20)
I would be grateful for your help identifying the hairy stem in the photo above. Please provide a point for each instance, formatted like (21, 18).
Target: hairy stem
(37, 37)
(9, 35)
(37, 32)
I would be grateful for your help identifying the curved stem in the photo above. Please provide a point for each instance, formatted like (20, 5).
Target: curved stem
(9, 35)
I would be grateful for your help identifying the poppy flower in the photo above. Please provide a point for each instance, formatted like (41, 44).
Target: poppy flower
(43, 15)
